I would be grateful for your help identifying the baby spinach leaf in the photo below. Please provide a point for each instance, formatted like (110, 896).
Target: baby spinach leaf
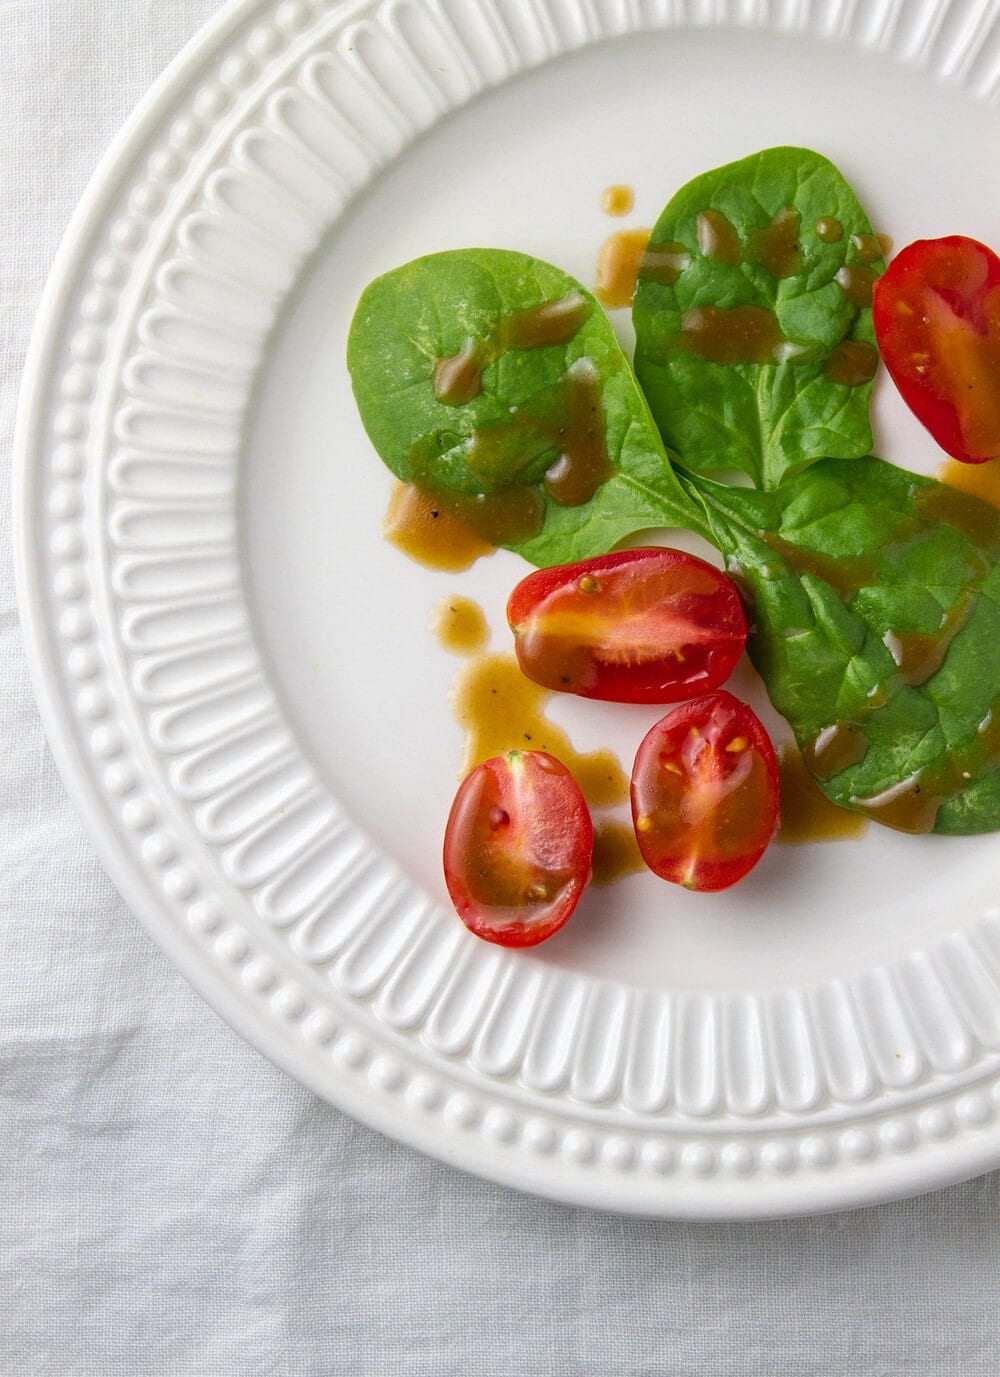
(496, 382)
(877, 598)
(754, 337)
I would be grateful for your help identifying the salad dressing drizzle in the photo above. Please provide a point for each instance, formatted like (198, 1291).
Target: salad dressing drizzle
(869, 246)
(912, 805)
(857, 282)
(738, 334)
(567, 422)
(617, 200)
(807, 815)
(717, 237)
(616, 851)
(664, 263)
(777, 248)
(852, 362)
(500, 710)
(834, 749)
(458, 378)
(751, 334)
(829, 229)
(460, 626)
(618, 264)
(918, 656)
(978, 480)
(430, 531)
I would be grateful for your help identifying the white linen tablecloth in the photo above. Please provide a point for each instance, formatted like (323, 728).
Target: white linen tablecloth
(174, 1206)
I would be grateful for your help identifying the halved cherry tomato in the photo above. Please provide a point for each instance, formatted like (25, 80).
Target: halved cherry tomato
(937, 320)
(518, 848)
(705, 793)
(638, 626)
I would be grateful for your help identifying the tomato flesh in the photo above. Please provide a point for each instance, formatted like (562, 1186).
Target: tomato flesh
(518, 848)
(705, 793)
(937, 320)
(637, 626)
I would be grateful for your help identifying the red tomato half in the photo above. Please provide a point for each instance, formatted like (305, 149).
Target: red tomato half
(517, 849)
(937, 320)
(637, 626)
(705, 793)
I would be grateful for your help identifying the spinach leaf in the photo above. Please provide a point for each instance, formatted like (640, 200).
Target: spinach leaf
(877, 610)
(496, 382)
(754, 339)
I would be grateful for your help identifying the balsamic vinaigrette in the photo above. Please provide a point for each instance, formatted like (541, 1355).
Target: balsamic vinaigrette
(919, 655)
(834, 749)
(750, 334)
(857, 282)
(777, 248)
(618, 263)
(732, 335)
(500, 710)
(460, 626)
(565, 421)
(430, 532)
(807, 815)
(717, 238)
(852, 362)
(979, 480)
(459, 377)
(617, 200)
(616, 851)
(912, 804)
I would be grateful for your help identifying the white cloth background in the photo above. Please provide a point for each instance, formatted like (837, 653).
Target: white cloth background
(172, 1206)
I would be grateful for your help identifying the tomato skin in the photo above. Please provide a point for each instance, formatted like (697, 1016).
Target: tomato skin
(705, 793)
(637, 626)
(936, 311)
(518, 848)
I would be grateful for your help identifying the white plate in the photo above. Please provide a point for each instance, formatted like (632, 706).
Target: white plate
(237, 673)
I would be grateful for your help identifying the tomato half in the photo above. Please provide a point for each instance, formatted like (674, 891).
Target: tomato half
(518, 848)
(937, 320)
(705, 793)
(637, 626)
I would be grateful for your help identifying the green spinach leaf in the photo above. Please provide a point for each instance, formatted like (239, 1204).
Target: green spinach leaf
(496, 382)
(877, 634)
(754, 338)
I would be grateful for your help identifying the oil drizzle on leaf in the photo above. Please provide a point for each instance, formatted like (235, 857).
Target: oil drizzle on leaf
(979, 480)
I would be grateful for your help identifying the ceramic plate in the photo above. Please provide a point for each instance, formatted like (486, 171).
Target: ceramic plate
(238, 675)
